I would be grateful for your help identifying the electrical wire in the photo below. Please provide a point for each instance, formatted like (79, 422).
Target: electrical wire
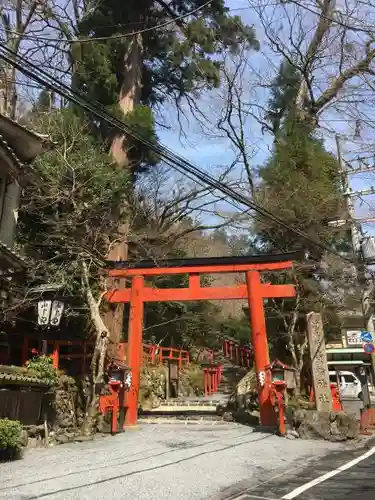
(113, 37)
(176, 162)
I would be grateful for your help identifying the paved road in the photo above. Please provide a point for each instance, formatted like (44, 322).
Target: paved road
(355, 483)
(167, 462)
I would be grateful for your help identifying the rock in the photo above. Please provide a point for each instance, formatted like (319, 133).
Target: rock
(334, 429)
(24, 438)
(290, 436)
(347, 425)
(294, 433)
(34, 430)
(220, 410)
(62, 439)
(228, 417)
(82, 439)
(33, 443)
(245, 417)
(321, 425)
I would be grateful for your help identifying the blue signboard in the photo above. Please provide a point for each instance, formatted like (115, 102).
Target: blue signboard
(369, 348)
(366, 336)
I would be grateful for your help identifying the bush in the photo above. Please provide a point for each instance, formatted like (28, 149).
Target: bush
(10, 439)
(42, 365)
(192, 380)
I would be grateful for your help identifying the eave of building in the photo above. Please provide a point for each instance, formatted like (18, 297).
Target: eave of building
(13, 262)
(19, 147)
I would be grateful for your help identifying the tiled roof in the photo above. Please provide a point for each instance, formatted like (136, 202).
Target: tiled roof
(19, 378)
(20, 145)
(14, 257)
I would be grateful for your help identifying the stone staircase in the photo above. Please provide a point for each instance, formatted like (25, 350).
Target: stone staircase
(195, 409)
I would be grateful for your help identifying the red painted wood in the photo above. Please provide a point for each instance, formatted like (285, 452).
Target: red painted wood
(135, 347)
(213, 293)
(212, 269)
(55, 355)
(260, 345)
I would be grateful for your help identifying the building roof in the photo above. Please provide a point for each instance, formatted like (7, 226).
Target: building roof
(11, 260)
(20, 146)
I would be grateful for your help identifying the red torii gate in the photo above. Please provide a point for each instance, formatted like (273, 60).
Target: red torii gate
(254, 291)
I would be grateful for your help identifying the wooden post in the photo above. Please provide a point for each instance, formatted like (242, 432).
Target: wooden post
(25, 350)
(135, 347)
(260, 346)
(55, 354)
(319, 366)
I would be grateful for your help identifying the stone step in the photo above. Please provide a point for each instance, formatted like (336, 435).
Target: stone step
(182, 419)
(192, 402)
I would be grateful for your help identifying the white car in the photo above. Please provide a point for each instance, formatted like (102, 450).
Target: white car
(350, 385)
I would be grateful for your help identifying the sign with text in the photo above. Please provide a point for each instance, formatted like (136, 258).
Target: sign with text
(353, 338)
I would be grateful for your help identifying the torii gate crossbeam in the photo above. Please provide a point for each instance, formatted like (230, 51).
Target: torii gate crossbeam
(254, 291)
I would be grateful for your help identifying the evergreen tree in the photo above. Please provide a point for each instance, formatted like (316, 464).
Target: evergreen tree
(301, 184)
(132, 75)
(283, 93)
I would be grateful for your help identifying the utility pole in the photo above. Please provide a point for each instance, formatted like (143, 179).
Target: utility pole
(357, 239)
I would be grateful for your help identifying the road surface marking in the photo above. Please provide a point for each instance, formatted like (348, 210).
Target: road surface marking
(248, 496)
(321, 479)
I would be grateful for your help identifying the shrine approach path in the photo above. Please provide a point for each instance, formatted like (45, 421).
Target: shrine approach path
(174, 461)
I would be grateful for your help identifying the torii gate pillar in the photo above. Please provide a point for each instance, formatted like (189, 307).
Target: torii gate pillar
(260, 346)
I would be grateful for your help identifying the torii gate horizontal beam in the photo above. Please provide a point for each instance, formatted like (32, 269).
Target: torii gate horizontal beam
(200, 293)
(209, 265)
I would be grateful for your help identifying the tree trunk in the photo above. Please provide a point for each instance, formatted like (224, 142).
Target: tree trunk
(130, 95)
(8, 96)
(129, 98)
(97, 367)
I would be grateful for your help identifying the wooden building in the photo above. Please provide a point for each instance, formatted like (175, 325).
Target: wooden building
(18, 148)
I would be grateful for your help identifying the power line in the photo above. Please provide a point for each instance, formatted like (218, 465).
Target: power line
(170, 158)
(113, 37)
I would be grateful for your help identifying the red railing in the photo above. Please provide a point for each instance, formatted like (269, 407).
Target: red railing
(212, 379)
(207, 355)
(82, 350)
(237, 353)
(160, 354)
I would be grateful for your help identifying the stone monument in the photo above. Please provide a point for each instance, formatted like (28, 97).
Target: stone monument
(319, 366)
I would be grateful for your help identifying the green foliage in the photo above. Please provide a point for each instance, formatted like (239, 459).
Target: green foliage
(301, 184)
(42, 365)
(74, 211)
(182, 324)
(142, 120)
(173, 62)
(159, 65)
(283, 93)
(10, 434)
(191, 379)
(237, 328)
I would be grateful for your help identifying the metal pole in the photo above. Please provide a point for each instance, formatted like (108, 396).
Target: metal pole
(360, 268)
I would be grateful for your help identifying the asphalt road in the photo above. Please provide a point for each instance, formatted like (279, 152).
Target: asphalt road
(354, 483)
(167, 462)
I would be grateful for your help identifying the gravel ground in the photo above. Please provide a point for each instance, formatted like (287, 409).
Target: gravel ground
(168, 462)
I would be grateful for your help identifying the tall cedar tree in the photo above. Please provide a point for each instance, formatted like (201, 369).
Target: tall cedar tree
(135, 75)
(301, 184)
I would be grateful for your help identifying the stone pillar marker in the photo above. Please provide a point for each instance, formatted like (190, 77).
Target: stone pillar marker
(319, 366)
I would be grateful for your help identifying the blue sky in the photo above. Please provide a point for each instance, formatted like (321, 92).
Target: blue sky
(211, 153)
